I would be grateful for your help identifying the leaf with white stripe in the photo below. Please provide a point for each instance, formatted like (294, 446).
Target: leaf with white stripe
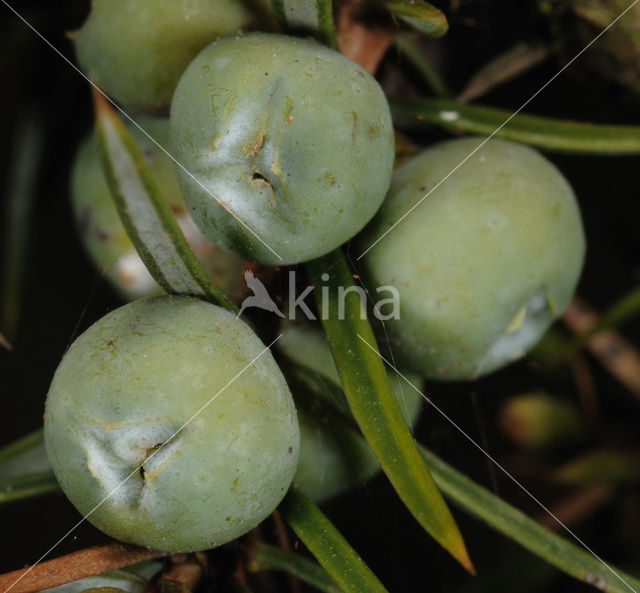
(145, 214)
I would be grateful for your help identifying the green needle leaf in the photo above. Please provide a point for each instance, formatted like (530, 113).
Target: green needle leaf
(420, 15)
(328, 546)
(22, 487)
(544, 132)
(25, 456)
(18, 447)
(409, 47)
(23, 173)
(145, 214)
(266, 557)
(311, 16)
(514, 524)
(375, 409)
(326, 25)
(25, 470)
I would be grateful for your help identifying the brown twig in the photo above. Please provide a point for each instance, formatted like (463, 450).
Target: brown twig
(585, 386)
(183, 575)
(5, 343)
(285, 544)
(577, 507)
(615, 353)
(264, 578)
(504, 68)
(74, 566)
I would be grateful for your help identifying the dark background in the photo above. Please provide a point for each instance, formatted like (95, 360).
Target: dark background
(63, 294)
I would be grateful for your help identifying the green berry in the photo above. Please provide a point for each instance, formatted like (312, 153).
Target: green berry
(101, 229)
(288, 135)
(538, 421)
(136, 50)
(483, 265)
(129, 383)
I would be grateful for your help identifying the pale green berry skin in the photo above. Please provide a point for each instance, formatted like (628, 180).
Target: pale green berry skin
(292, 137)
(483, 265)
(129, 383)
(101, 229)
(333, 456)
(136, 50)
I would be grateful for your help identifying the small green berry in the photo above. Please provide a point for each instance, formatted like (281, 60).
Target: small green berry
(129, 383)
(136, 50)
(291, 137)
(538, 421)
(483, 265)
